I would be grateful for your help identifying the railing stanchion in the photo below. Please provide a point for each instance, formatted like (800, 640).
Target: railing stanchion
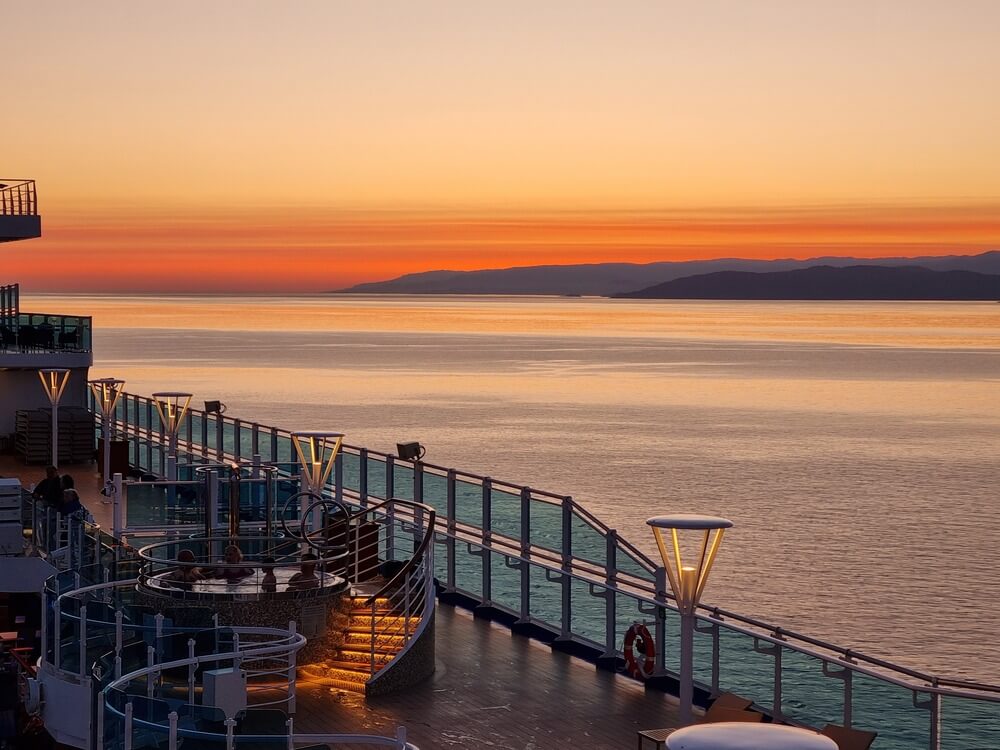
(292, 628)
(57, 630)
(230, 725)
(610, 598)
(660, 627)
(524, 567)
(172, 730)
(363, 476)
(83, 640)
(290, 734)
(338, 477)
(150, 661)
(192, 667)
(128, 726)
(487, 531)
(99, 734)
(450, 539)
(566, 621)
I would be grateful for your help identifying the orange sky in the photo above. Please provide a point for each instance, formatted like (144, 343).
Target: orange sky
(306, 146)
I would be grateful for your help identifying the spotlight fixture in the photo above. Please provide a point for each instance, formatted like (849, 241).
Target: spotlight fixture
(410, 451)
(215, 407)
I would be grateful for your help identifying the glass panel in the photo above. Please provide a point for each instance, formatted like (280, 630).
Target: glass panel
(588, 542)
(808, 696)
(546, 525)
(888, 709)
(285, 452)
(967, 723)
(264, 444)
(588, 618)
(506, 584)
(628, 564)
(468, 571)
(352, 470)
(246, 442)
(468, 503)
(376, 477)
(546, 599)
(436, 492)
(402, 480)
(228, 436)
(149, 504)
(441, 561)
(505, 515)
(741, 669)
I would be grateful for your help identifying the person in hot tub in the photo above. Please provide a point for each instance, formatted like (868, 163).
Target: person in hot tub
(306, 578)
(184, 575)
(232, 556)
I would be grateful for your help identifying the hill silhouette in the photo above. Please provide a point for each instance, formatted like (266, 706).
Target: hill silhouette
(830, 283)
(608, 279)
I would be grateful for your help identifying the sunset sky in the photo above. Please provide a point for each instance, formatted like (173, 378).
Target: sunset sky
(312, 145)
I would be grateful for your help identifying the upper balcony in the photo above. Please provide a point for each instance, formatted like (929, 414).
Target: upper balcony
(36, 339)
(19, 219)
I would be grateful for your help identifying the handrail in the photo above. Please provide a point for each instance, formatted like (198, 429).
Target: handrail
(18, 197)
(418, 553)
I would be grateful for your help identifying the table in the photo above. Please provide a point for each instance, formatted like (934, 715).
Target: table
(743, 736)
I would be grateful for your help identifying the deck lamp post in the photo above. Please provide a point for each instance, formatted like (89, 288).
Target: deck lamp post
(172, 407)
(688, 576)
(54, 382)
(317, 453)
(106, 392)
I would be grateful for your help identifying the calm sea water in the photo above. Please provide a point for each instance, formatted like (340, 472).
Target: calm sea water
(856, 446)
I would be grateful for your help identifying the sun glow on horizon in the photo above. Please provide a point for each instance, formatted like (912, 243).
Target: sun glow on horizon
(312, 146)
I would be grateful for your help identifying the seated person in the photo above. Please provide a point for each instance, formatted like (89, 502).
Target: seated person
(306, 578)
(49, 490)
(233, 556)
(185, 574)
(268, 581)
(70, 497)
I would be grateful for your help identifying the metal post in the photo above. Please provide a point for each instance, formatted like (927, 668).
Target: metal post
(401, 738)
(119, 632)
(172, 730)
(566, 622)
(55, 432)
(116, 508)
(292, 629)
(150, 661)
(230, 724)
(212, 511)
(338, 477)
(487, 510)
(83, 640)
(100, 719)
(363, 476)
(687, 667)
(57, 632)
(45, 621)
(450, 539)
(390, 477)
(192, 666)
(106, 429)
(158, 620)
(128, 726)
(660, 628)
(610, 599)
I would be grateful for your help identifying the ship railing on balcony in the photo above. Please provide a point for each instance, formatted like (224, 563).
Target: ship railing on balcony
(18, 198)
(30, 332)
(540, 561)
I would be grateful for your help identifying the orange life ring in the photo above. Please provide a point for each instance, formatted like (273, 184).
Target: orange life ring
(638, 639)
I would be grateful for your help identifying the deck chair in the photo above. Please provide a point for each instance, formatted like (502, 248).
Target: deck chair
(849, 739)
(726, 702)
(732, 714)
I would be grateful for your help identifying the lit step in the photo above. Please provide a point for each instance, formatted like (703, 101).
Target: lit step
(363, 640)
(348, 656)
(344, 672)
(389, 623)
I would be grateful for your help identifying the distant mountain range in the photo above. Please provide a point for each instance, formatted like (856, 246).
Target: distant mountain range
(830, 283)
(610, 279)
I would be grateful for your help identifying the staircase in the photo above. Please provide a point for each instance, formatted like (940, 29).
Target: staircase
(355, 661)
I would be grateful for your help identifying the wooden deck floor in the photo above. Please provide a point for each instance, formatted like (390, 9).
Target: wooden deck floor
(493, 689)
